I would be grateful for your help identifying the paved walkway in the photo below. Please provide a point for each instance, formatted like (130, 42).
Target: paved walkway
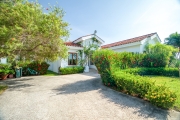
(72, 97)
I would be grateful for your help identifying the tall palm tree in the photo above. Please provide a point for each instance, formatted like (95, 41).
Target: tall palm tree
(173, 39)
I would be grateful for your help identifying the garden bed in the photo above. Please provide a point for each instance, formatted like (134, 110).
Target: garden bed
(172, 83)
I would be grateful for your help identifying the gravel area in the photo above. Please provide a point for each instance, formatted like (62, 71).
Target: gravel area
(73, 97)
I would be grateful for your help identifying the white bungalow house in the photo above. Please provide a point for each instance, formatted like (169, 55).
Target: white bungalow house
(73, 54)
(136, 44)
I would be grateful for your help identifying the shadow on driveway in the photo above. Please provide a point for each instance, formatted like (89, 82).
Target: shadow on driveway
(144, 108)
(17, 84)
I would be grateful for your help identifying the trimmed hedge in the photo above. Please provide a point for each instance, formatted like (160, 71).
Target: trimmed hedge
(154, 71)
(142, 87)
(112, 68)
(71, 70)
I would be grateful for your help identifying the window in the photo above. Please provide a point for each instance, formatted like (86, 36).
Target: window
(72, 59)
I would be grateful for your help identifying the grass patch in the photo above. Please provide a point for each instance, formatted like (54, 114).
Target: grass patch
(173, 83)
(3, 88)
(51, 73)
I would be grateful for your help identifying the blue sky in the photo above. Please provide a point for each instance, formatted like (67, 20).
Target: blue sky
(116, 20)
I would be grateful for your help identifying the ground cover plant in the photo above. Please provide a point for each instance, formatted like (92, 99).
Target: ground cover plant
(3, 88)
(113, 67)
(51, 73)
(172, 83)
(71, 70)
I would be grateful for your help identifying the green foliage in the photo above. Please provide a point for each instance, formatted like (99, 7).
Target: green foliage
(108, 61)
(158, 55)
(27, 32)
(88, 51)
(173, 39)
(132, 84)
(143, 87)
(71, 70)
(41, 68)
(172, 83)
(161, 96)
(51, 73)
(11, 72)
(154, 71)
(112, 68)
(2, 88)
(5, 69)
(104, 63)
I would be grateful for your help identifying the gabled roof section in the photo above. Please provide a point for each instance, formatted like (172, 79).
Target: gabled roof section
(88, 37)
(132, 40)
(72, 44)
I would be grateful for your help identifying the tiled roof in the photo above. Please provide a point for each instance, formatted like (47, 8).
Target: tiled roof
(132, 40)
(72, 44)
(86, 36)
(82, 37)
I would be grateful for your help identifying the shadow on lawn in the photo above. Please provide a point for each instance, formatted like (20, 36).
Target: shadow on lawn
(16, 84)
(143, 108)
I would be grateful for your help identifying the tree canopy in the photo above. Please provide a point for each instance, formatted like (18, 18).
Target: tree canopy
(26, 31)
(173, 39)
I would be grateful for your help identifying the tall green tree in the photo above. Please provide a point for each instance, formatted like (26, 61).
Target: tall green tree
(173, 39)
(26, 31)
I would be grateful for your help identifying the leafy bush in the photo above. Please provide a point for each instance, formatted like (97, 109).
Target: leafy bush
(158, 55)
(142, 87)
(5, 69)
(161, 96)
(41, 68)
(154, 71)
(104, 61)
(112, 68)
(132, 84)
(71, 70)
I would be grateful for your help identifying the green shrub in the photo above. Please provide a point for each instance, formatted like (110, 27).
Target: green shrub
(132, 84)
(153, 71)
(161, 96)
(41, 68)
(5, 69)
(71, 70)
(140, 86)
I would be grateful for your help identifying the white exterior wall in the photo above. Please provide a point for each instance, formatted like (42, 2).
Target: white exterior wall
(132, 47)
(54, 66)
(87, 43)
(151, 40)
(135, 49)
(3, 60)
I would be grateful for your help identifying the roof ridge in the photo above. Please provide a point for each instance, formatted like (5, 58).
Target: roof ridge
(70, 43)
(82, 36)
(134, 38)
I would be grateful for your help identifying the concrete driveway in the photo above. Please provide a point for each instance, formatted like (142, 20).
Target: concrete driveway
(71, 97)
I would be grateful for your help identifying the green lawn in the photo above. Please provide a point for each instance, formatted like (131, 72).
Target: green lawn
(173, 83)
(51, 73)
(3, 88)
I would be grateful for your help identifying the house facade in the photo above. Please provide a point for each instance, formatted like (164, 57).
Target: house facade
(136, 44)
(73, 52)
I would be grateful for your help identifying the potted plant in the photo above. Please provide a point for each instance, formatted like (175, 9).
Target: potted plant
(11, 73)
(4, 73)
